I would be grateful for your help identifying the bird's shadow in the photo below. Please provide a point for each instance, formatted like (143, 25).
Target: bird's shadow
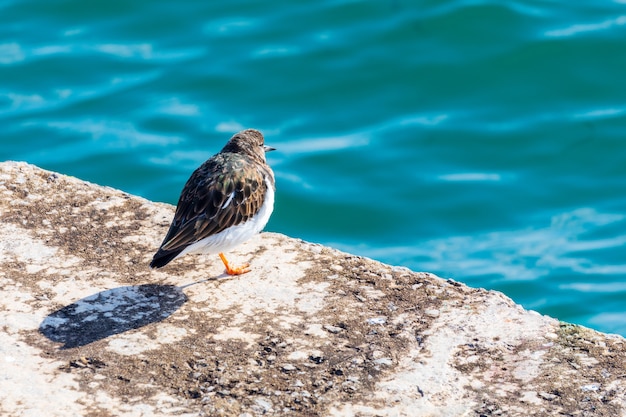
(111, 312)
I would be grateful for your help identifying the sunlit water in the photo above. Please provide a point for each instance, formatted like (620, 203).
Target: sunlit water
(479, 140)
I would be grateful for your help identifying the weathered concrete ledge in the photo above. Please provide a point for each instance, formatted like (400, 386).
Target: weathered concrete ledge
(86, 328)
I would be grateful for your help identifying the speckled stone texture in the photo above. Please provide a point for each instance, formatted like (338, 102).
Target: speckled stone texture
(88, 329)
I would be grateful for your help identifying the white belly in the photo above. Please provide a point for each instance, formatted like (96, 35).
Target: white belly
(236, 235)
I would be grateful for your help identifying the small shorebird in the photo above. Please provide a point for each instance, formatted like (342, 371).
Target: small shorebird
(225, 202)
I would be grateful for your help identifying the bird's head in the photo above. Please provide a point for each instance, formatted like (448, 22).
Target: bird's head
(249, 142)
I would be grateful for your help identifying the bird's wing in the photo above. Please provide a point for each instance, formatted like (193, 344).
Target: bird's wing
(223, 192)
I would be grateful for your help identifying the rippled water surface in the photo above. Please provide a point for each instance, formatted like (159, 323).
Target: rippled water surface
(480, 140)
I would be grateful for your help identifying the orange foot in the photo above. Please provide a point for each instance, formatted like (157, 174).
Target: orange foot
(234, 270)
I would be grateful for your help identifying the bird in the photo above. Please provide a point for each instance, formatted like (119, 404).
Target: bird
(226, 201)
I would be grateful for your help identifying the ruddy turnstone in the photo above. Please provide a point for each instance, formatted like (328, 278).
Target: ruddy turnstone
(225, 202)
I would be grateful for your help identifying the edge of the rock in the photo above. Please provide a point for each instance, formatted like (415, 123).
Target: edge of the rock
(89, 329)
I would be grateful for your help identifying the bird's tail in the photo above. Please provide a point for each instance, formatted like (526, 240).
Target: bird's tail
(163, 257)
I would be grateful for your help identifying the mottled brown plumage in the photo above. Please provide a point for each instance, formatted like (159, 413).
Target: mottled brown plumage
(227, 190)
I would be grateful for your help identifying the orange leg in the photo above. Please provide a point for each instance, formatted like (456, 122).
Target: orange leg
(234, 270)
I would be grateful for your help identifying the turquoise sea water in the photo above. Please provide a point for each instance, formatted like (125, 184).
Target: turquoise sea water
(484, 141)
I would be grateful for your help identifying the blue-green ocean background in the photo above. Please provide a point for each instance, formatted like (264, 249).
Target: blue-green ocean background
(480, 140)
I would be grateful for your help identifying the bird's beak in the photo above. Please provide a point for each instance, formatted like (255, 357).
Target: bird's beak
(268, 148)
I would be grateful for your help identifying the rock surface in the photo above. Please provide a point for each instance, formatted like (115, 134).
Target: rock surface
(88, 329)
